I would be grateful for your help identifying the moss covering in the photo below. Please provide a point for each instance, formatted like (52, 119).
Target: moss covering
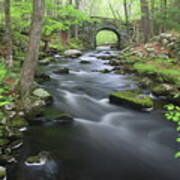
(2, 172)
(33, 159)
(132, 97)
(3, 141)
(19, 122)
(105, 71)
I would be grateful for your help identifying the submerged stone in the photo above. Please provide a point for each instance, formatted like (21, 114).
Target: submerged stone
(64, 118)
(85, 62)
(133, 98)
(62, 71)
(41, 77)
(105, 71)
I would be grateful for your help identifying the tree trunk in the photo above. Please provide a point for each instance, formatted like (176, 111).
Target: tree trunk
(126, 12)
(9, 46)
(76, 27)
(29, 66)
(145, 20)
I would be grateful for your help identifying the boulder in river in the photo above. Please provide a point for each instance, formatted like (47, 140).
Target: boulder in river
(105, 71)
(62, 71)
(73, 53)
(41, 77)
(64, 118)
(46, 60)
(132, 98)
(38, 160)
(43, 95)
(85, 62)
(163, 89)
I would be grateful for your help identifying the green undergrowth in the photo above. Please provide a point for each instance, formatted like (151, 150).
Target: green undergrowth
(173, 114)
(165, 70)
(168, 73)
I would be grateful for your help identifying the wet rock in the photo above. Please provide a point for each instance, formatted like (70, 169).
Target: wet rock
(3, 142)
(38, 160)
(145, 82)
(43, 95)
(18, 122)
(5, 158)
(46, 61)
(73, 53)
(15, 144)
(105, 71)
(64, 118)
(121, 71)
(132, 98)
(62, 71)
(85, 62)
(107, 56)
(41, 77)
(163, 89)
(2, 173)
(114, 63)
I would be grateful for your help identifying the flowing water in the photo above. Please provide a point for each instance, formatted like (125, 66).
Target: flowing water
(106, 142)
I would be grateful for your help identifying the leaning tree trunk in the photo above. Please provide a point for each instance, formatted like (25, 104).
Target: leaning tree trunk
(30, 64)
(9, 57)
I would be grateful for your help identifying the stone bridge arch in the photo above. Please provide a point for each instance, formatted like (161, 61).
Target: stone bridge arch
(90, 30)
(112, 29)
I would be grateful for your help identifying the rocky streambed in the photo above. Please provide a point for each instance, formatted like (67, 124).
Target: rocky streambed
(84, 135)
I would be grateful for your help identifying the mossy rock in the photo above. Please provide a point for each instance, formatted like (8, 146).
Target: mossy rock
(119, 72)
(62, 71)
(132, 98)
(105, 71)
(2, 172)
(85, 62)
(3, 142)
(39, 159)
(3, 132)
(18, 122)
(33, 159)
(163, 90)
(64, 118)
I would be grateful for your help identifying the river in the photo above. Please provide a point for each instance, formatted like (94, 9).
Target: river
(105, 142)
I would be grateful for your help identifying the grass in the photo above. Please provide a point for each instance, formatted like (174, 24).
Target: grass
(106, 37)
(169, 72)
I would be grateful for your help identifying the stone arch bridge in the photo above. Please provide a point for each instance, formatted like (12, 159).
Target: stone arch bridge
(90, 30)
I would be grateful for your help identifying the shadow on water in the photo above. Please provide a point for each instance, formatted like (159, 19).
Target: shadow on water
(105, 142)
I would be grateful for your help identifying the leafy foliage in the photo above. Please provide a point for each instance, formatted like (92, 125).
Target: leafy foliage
(173, 114)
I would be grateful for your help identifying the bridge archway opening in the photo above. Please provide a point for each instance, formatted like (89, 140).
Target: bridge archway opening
(107, 36)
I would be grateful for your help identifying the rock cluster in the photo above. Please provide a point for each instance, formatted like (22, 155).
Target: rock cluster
(163, 46)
